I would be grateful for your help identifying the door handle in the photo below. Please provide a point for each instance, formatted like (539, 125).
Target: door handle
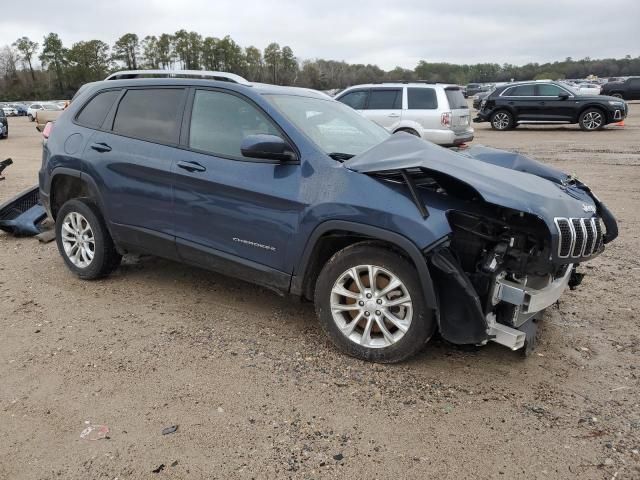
(394, 115)
(191, 166)
(101, 147)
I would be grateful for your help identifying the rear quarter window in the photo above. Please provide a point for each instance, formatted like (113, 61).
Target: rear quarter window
(95, 111)
(151, 114)
(455, 98)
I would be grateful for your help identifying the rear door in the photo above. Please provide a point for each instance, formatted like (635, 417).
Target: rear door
(422, 108)
(460, 116)
(130, 159)
(634, 89)
(522, 99)
(385, 107)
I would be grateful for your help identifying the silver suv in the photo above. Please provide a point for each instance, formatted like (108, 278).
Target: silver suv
(436, 112)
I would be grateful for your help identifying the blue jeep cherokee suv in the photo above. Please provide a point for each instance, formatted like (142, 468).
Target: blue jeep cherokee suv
(392, 237)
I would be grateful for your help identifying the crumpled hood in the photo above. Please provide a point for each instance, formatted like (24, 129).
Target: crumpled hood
(501, 178)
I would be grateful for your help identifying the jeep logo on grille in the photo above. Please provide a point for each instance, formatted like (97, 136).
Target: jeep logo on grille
(589, 208)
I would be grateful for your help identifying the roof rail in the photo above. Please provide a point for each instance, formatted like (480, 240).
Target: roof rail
(222, 76)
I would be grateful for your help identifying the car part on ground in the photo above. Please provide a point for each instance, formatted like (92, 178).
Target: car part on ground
(510, 105)
(23, 215)
(436, 112)
(392, 236)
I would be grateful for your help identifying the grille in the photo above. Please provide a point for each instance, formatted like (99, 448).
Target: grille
(20, 206)
(579, 237)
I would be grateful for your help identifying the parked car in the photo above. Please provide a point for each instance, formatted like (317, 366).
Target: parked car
(32, 109)
(548, 103)
(478, 97)
(473, 88)
(435, 112)
(392, 237)
(9, 111)
(49, 113)
(588, 88)
(21, 109)
(629, 89)
(4, 125)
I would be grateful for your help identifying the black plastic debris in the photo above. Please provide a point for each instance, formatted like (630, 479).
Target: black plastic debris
(168, 430)
(159, 469)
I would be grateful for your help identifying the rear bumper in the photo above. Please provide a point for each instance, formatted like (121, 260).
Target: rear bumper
(447, 137)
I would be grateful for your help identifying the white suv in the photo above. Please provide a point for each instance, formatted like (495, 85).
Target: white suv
(436, 112)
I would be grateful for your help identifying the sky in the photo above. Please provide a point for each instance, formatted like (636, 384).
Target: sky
(381, 32)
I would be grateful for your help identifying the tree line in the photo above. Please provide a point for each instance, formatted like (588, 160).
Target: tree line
(30, 70)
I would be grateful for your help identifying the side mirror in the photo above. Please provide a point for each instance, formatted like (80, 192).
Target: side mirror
(563, 96)
(270, 147)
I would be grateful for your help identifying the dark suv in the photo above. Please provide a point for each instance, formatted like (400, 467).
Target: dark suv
(548, 103)
(628, 89)
(4, 125)
(392, 237)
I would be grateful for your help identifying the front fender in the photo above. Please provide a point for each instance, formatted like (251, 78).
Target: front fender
(375, 233)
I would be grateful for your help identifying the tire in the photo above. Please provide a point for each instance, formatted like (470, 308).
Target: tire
(77, 214)
(31, 119)
(413, 323)
(502, 120)
(617, 95)
(592, 119)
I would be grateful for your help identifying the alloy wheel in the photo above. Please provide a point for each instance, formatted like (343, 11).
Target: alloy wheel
(78, 240)
(501, 121)
(371, 306)
(592, 120)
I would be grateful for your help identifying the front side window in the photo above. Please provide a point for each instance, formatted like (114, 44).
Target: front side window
(220, 121)
(151, 114)
(94, 112)
(385, 100)
(634, 82)
(422, 99)
(550, 91)
(356, 100)
(331, 125)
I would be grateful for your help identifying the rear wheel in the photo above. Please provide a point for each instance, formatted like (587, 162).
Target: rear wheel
(502, 120)
(370, 303)
(591, 119)
(84, 241)
(408, 130)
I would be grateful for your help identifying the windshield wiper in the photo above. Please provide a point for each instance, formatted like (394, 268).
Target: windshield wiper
(341, 157)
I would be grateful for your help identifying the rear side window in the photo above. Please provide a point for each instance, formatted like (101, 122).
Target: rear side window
(150, 114)
(455, 98)
(220, 121)
(548, 90)
(94, 112)
(385, 100)
(520, 91)
(355, 100)
(422, 99)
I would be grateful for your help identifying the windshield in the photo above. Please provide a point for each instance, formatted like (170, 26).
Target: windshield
(333, 126)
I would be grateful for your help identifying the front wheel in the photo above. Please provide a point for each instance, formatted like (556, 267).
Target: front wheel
(617, 95)
(591, 119)
(370, 303)
(502, 120)
(84, 241)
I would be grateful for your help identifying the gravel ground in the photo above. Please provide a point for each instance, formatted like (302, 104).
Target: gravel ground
(257, 391)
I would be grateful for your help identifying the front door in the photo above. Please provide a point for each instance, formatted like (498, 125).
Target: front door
(233, 214)
(554, 108)
(385, 107)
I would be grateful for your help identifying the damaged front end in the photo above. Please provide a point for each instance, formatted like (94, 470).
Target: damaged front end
(517, 232)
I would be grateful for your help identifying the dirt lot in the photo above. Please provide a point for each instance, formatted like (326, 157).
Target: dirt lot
(258, 392)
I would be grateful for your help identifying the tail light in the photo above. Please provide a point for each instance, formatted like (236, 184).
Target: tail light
(47, 130)
(445, 119)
